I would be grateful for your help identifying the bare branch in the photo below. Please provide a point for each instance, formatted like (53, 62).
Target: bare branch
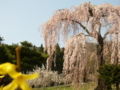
(105, 35)
(110, 32)
(99, 27)
(80, 25)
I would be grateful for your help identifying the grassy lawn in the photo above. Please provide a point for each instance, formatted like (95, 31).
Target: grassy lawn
(86, 86)
(60, 87)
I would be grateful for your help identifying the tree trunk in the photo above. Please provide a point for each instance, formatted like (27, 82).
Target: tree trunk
(101, 84)
(117, 86)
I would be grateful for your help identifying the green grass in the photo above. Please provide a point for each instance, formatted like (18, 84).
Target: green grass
(60, 87)
(86, 86)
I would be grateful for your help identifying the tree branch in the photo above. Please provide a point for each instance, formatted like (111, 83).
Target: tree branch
(80, 25)
(105, 35)
(99, 28)
(110, 32)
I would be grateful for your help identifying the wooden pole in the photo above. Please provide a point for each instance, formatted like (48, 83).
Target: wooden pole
(18, 49)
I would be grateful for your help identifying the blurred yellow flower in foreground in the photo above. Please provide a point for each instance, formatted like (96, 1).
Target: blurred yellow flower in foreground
(19, 80)
(8, 68)
(2, 76)
(1, 87)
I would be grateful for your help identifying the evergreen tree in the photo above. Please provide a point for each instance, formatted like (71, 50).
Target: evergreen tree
(29, 55)
(26, 44)
(41, 49)
(3, 54)
(34, 47)
(59, 59)
(110, 74)
(1, 39)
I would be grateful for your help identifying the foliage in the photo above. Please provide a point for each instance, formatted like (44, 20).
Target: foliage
(26, 44)
(1, 39)
(5, 54)
(41, 48)
(29, 55)
(44, 55)
(110, 73)
(59, 59)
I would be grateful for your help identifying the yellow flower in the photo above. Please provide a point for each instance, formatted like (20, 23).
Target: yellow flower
(20, 81)
(1, 87)
(1, 76)
(8, 68)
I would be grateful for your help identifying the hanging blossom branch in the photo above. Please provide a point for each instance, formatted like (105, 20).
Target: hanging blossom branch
(82, 20)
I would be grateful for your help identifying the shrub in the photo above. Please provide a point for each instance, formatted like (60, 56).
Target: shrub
(111, 74)
(46, 78)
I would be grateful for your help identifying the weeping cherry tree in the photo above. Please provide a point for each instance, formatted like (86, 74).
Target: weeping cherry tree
(78, 26)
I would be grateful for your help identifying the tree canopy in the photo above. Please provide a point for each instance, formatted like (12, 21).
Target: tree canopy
(1, 39)
(30, 57)
(111, 74)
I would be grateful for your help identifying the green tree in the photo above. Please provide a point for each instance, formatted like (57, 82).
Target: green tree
(1, 39)
(26, 44)
(5, 54)
(110, 74)
(59, 59)
(41, 48)
(31, 57)
(34, 47)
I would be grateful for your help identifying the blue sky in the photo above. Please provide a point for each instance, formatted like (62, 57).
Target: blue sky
(20, 19)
